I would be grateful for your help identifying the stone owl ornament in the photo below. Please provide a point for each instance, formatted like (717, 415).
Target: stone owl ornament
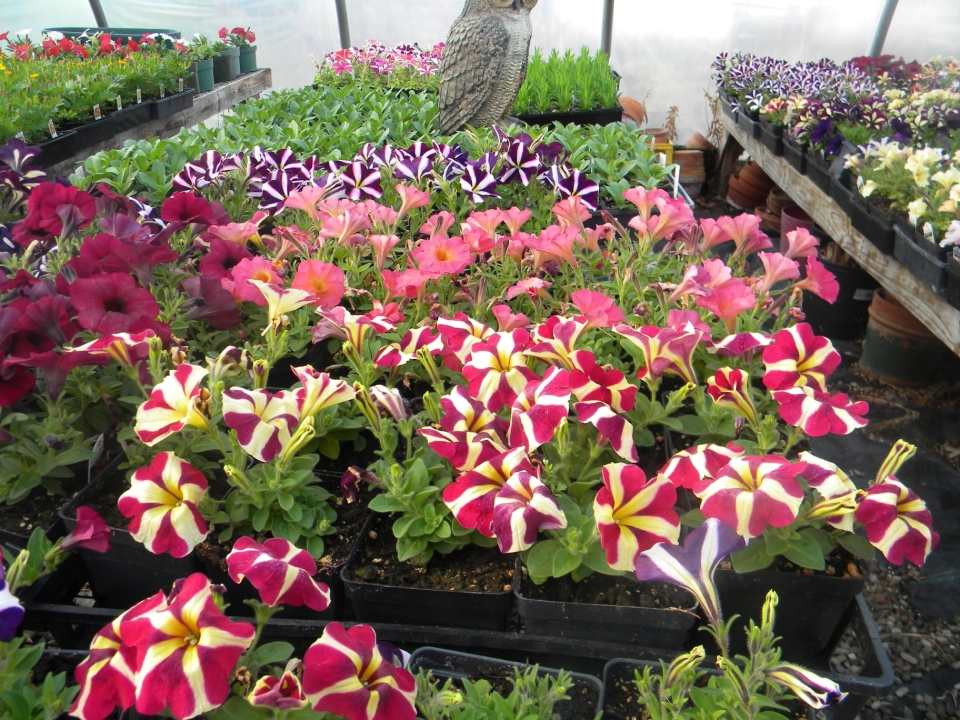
(484, 62)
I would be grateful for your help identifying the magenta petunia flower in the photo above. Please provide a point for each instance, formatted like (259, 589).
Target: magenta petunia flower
(253, 268)
(222, 258)
(111, 302)
(281, 573)
(898, 522)
(798, 358)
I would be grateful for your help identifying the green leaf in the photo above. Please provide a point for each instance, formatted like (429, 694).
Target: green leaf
(822, 538)
(259, 519)
(856, 545)
(285, 500)
(805, 552)
(275, 652)
(750, 558)
(564, 562)
(386, 504)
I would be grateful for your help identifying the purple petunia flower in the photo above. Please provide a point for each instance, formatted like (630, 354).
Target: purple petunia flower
(11, 613)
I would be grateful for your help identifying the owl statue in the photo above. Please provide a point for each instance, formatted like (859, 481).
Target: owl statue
(484, 62)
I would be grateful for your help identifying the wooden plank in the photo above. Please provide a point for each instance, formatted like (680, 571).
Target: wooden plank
(205, 106)
(928, 307)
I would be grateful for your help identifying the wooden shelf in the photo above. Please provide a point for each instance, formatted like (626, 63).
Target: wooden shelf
(205, 106)
(928, 307)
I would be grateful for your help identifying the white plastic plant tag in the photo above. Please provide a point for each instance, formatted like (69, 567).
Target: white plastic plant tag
(96, 112)
(163, 93)
(119, 103)
(21, 137)
(180, 85)
(139, 98)
(676, 177)
(51, 128)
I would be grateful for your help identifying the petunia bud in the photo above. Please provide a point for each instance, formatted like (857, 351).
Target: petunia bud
(898, 455)
(350, 482)
(815, 691)
(390, 401)
(684, 666)
(261, 370)
(282, 693)
(91, 532)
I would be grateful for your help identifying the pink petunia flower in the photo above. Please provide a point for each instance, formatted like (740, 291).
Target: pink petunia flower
(254, 268)
(324, 281)
(443, 255)
(281, 573)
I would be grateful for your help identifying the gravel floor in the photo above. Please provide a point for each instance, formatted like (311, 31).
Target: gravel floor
(925, 652)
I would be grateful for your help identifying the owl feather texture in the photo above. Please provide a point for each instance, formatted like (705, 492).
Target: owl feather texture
(484, 63)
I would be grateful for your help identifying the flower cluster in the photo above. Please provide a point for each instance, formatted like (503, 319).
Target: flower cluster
(238, 37)
(404, 66)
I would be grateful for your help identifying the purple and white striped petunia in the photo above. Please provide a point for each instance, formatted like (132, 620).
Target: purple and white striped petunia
(11, 612)
(522, 508)
(693, 564)
(281, 573)
(633, 514)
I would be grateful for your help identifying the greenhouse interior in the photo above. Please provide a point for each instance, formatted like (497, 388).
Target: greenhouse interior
(480, 360)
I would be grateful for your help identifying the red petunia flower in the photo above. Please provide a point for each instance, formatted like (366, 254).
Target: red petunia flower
(222, 258)
(187, 207)
(111, 303)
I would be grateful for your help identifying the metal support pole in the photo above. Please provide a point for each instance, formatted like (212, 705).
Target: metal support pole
(606, 34)
(343, 23)
(886, 16)
(98, 15)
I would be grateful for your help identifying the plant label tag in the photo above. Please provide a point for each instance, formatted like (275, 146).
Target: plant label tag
(97, 453)
(80, 172)
(163, 92)
(119, 103)
(21, 137)
(139, 98)
(96, 112)
(180, 85)
(676, 177)
(51, 128)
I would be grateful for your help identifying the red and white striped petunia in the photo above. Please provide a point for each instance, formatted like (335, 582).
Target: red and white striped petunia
(897, 522)
(741, 344)
(523, 507)
(345, 674)
(281, 573)
(186, 652)
(107, 677)
(463, 413)
(318, 391)
(172, 404)
(264, 421)
(798, 358)
(471, 496)
(696, 467)
(463, 450)
(592, 383)
(819, 413)
(281, 301)
(338, 322)
(125, 348)
(283, 693)
(400, 353)
(633, 514)
(835, 488)
(730, 388)
(162, 505)
(612, 427)
(554, 340)
(461, 332)
(496, 369)
(753, 492)
(539, 409)
(665, 350)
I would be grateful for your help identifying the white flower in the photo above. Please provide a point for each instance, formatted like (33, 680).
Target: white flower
(868, 187)
(947, 178)
(953, 235)
(54, 35)
(916, 209)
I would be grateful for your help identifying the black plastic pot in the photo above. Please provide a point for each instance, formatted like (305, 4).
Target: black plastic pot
(96, 131)
(846, 318)
(376, 603)
(586, 694)
(167, 106)
(953, 282)
(128, 572)
(927, 261)
(749, 122)
(668, 628)
(870, 221)
(876, 678)
(728, 106)
(771, 136)
(131, 116)
(796, 155)
(58, 149)
(812, 614)
(823, 170)
(603, 116)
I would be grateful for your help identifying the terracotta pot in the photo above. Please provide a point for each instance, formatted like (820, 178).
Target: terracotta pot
(662, 135)
(898, 348)
(633, 109)
(778, 200)
(769, 221)
(792, 218)
(751, 196)
(752, 173)
(699, 142)
(738, 200)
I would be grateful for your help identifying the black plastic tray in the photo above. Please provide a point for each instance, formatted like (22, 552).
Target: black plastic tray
(924, 265)
(795, 155)
(165, 107)
(953, 282)
(771, 136)
(603, 116)
(450, 664)
(749, 124)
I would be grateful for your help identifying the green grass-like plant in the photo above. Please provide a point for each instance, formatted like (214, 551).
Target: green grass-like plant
(567, 82)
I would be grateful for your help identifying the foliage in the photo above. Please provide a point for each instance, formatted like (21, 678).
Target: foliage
(567, 82)
(20, 697)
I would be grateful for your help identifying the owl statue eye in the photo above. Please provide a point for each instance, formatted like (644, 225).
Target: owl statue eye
(529, 3)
